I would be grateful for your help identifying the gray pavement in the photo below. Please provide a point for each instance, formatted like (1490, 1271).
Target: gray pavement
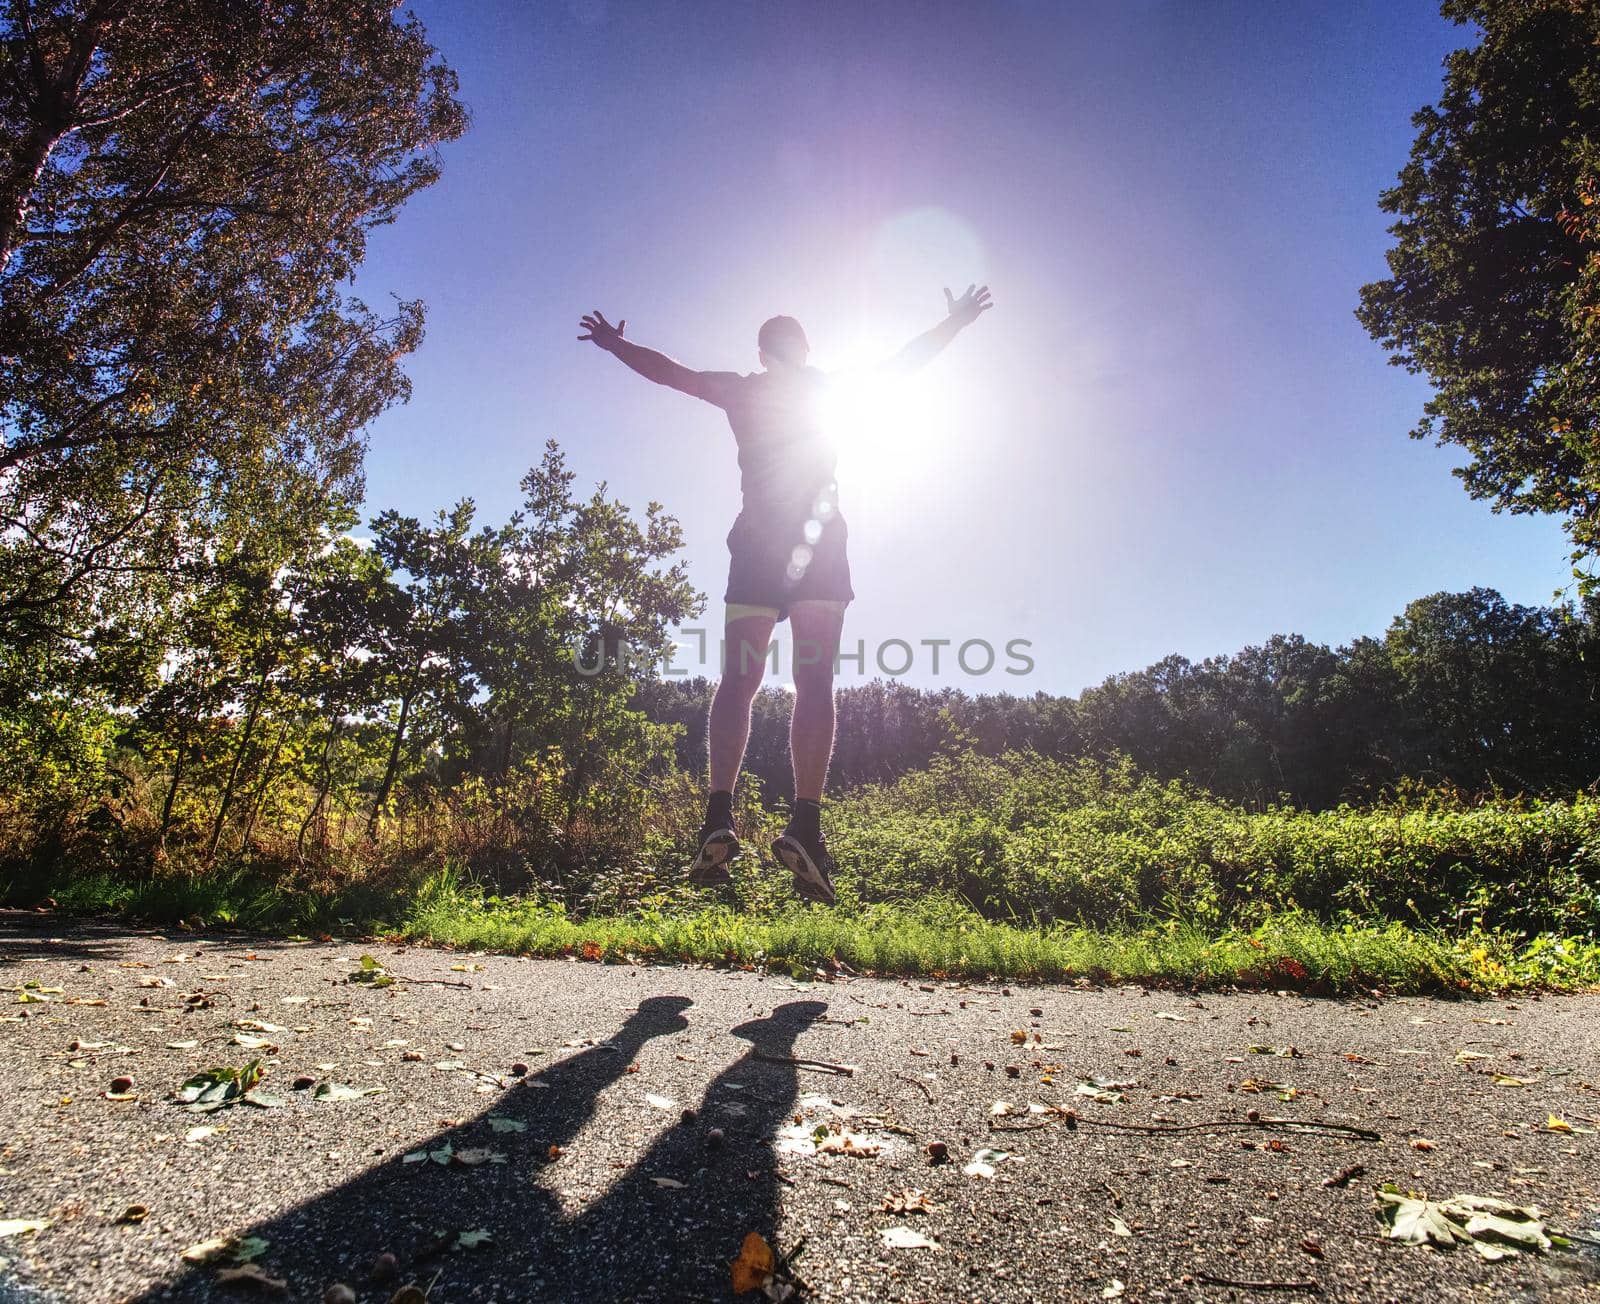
(591, 1183)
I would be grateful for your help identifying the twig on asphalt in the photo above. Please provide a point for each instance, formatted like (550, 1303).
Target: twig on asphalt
(795, 1061)
(433, 982)
(919, 1083)
(1306, 1125)
(1257, 1285)
(1344, 1176)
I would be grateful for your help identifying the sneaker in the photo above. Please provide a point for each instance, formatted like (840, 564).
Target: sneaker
(806, 857)
(718, 845)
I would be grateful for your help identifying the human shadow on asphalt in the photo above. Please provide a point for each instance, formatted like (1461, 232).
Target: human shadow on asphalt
(641, 1239)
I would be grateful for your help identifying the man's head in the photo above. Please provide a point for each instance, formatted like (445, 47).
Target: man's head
(782, 342)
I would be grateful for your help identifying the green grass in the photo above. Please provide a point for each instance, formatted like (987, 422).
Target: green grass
(938, 938)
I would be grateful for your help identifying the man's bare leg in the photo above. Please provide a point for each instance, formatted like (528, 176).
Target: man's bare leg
(816, 627)
(746, 651)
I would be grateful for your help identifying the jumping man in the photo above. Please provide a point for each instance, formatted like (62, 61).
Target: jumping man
(788, 562)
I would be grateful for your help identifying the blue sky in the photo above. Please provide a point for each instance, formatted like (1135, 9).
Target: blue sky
(1171, 434)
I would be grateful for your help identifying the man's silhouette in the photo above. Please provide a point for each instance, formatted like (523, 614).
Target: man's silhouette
(788, 561)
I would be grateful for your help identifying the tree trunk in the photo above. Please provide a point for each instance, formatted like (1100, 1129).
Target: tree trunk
(226, 799)
(325, 783)
(172, 790)
(260, 799)
(392, 766)
(56, 102)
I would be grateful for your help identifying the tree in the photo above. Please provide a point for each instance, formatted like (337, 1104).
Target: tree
(184, 184)
(1495, 285)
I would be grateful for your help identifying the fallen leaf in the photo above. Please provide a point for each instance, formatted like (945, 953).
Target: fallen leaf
(1494, 1228)
(659, 1102)
(854, 1144)
(904, 1238)
(18, 1226)
(984, 1162)
(343, 1091)
(251, 1274)
(911, 1200)
(478, 1155)
(241, 1249)
(669, 1183)
(473, 1239)
(753, 1267)
(215, 1088)
(500, 1123)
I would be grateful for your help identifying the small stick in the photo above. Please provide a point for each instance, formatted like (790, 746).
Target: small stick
(1257, 1285)
(821, 1066)
(1309, 1125)
(434, 982)
(1344, 1176)
(917, 1082)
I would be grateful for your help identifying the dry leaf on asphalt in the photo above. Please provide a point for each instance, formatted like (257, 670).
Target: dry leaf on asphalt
(18, 1226)
(904, 1238)
(753, 1267)
(855, 1144)
(251, 1274)
(910, 1200)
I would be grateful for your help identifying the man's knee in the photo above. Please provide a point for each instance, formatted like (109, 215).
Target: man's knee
(741, 685)
(814, 680)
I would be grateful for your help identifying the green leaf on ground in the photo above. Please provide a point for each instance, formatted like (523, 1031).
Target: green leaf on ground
(215, 1088)
(343, 1091)
(1494, 1228)
(984, 1162)
(370, 974)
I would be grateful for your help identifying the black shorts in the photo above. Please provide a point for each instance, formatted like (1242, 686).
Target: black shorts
(776, 560)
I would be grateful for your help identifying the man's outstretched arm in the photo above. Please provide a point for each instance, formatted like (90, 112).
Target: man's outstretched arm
(927, 346)
(650, 364)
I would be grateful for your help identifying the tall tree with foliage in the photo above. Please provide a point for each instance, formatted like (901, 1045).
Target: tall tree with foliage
(1495, 285)
(184, 187)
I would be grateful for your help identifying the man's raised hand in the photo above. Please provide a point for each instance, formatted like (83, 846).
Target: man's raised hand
(970, 305)
(607, 336)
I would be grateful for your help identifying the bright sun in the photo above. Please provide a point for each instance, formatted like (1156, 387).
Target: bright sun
(882, 424)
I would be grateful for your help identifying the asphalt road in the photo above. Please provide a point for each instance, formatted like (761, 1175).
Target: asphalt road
(592, 1185)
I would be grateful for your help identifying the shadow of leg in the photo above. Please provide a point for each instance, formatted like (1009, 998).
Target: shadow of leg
(415, 1206)
(647, 1239)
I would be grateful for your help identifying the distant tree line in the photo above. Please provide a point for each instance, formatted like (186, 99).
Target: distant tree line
(1464, 689)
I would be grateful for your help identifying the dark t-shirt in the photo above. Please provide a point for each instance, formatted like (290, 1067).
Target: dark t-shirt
(786, 460)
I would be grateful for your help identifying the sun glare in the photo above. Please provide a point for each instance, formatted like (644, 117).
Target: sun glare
(882, 424)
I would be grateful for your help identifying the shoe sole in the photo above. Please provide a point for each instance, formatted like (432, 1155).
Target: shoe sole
(809, 880)
(710, 868)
